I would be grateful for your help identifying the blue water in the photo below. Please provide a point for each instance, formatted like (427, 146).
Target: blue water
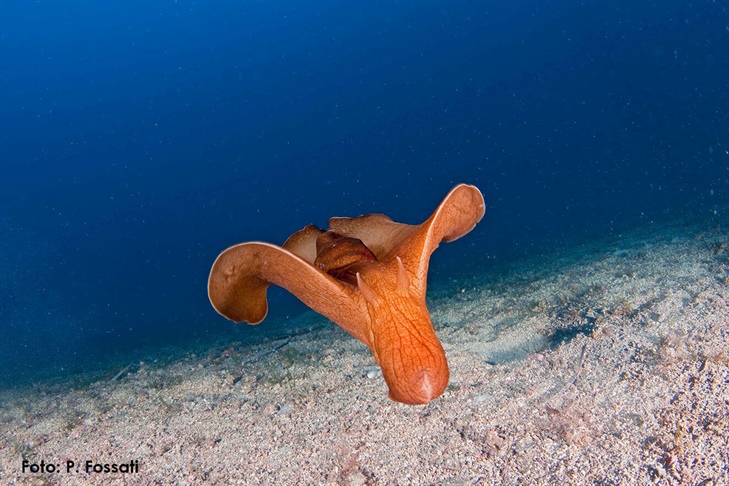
(139, 139)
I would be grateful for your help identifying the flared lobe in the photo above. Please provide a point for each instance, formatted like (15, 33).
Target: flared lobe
(457, 214)
(241, 275)
(303, 243)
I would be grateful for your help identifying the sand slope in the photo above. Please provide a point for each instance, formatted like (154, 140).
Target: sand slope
(607, 364)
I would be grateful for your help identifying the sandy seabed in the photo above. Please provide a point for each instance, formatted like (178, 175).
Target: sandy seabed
(606, 364)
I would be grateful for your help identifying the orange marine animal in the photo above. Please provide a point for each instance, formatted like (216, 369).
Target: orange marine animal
(367, 274)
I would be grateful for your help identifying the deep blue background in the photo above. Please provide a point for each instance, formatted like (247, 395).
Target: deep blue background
(139, 139)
